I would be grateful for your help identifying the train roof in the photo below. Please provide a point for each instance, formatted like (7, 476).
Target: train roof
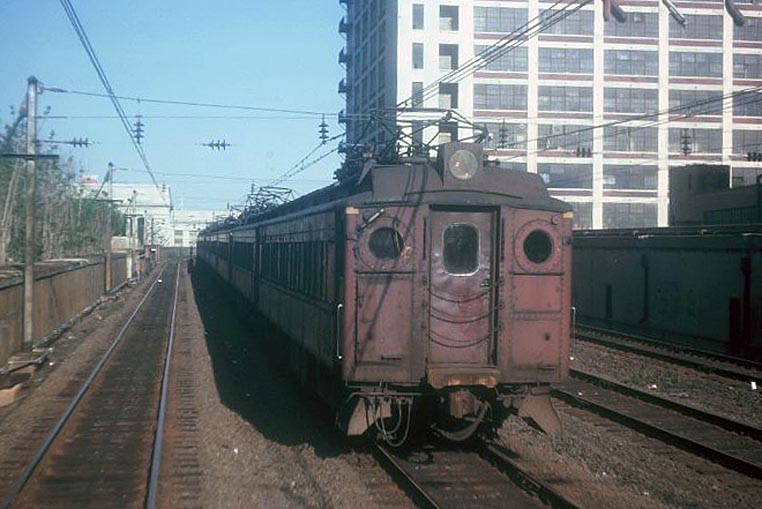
(421, 181)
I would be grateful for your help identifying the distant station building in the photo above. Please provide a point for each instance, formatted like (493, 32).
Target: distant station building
(151, 215)
(695, 63)
(148, 209)
(187, 224)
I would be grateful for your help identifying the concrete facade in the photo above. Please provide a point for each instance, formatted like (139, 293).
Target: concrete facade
(151, 216)
(541, 100)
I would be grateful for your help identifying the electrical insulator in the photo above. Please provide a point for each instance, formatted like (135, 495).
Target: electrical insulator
(323, 131)
(502, 137)
(137, 131)
(686, 141)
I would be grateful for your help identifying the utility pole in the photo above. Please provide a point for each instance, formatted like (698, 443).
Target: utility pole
(109, 226)
(29, 242)
(133, 235)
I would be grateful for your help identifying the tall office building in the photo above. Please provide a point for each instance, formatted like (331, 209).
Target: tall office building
(569, 102)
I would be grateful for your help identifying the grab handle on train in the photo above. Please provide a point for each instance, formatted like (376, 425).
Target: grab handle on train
(339, 307)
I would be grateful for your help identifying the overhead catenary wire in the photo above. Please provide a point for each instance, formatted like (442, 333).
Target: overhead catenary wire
(198, 104)
(85, 41)
(519, 36)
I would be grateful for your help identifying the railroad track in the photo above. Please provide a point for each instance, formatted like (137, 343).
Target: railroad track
(728, 366)
(105, 450)
(483, 476)
(731, 443)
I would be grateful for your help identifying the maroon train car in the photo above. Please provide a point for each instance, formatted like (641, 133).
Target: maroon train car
(428, 291)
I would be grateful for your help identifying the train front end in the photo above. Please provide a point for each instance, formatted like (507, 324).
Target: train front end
(456, 308)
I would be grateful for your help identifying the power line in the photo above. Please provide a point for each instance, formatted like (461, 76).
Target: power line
(221, 177)
(189, 103)
(651, 118)
(303, 164)
(82, 36)
(182, 117)
(530, 29)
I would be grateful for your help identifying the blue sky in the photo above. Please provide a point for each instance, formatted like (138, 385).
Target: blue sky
(267, 54)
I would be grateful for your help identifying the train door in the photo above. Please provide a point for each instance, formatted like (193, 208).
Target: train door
(462, 281)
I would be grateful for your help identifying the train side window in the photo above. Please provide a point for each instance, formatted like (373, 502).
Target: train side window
(461, 249)
(385, 243)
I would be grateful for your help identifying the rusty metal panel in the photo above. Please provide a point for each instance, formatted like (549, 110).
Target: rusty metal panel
(383, 324)
(536, 315)
(533, 293)
(462, 286)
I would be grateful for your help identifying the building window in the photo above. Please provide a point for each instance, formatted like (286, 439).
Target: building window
(500, 97)
(748, 105)
(566, 60)
(622, 176)
(566, 176)
(448, 57)
(745, 141)
(417, 94)
(696, 102)
(506, 61)
(498, 19)
(448, 17)
(417, 55)
(448, 132)
(687, 63)
(630, 215)
(698, 141)
(750, 31)
(583, 215)
(448, 96)
(696, 27)
(565, 98)
(630, 139)
(747, 65)
(630, 100)
(639, 24)
(505, 136)
(564, 136)
(631, 62)
(417, 16)
(577, 23)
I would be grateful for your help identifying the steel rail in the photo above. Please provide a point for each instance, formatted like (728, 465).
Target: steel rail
(658, 427)
(495, 455)
(500, 457)
(18, 485)
(676, 354)
(153, 481)
(734, 425)
(419, 494)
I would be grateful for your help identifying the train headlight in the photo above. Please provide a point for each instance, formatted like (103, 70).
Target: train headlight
(463, 164)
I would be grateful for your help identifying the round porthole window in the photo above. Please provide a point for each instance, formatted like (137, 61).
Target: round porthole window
(385, 243)
(538, 246)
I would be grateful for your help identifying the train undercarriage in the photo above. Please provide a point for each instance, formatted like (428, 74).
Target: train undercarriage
(394, 414)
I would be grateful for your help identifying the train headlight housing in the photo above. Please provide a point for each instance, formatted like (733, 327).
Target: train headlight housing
(463, 164)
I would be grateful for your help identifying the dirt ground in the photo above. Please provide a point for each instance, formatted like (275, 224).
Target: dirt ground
(257, 440)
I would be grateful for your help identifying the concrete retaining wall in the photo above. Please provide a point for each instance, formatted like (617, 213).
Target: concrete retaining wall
(62, 290)
(702, 285)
